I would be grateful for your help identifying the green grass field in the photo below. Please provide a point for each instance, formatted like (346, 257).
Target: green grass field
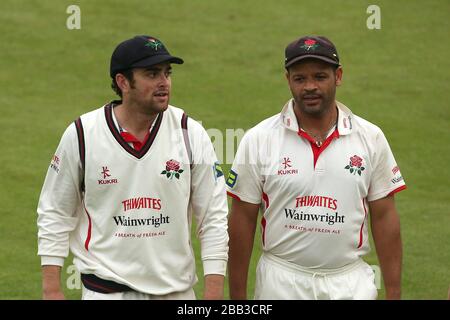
(396, 77)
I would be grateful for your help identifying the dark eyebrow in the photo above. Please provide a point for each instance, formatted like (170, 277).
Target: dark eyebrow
(157, 69)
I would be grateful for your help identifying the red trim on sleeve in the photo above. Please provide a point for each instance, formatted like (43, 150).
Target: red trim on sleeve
(362, 226)
(233, 196)
(263, 233)
(88, 237)
(265, 197)
(403, 187)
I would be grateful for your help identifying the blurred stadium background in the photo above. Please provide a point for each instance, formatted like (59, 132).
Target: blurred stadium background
(397, 77)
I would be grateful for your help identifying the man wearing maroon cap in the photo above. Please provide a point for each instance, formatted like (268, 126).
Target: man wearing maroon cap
(317, 171)
(122, 189)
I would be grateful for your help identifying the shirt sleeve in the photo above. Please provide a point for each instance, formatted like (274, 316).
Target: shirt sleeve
(59, 200)
(245, 181)
(208, 201)
(386, 178)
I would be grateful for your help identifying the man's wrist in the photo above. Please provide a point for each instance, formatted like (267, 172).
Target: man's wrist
(214, 284)
(393, 293)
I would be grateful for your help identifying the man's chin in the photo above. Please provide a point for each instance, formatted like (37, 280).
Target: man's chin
(160, 107)
(313, 109)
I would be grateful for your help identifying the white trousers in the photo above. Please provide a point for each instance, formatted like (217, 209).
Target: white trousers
(277, 279)
(134, 295)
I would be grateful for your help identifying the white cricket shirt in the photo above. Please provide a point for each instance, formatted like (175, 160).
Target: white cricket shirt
(314, 200)
(132, 224)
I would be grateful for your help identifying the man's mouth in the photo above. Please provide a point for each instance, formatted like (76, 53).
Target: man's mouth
(312, 98)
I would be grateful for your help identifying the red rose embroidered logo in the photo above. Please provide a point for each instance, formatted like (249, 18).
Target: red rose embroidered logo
(172, 169)
(355, 165)
(310, 44)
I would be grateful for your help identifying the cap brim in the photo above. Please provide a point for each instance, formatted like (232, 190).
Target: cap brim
(306, 56)
(150, 61)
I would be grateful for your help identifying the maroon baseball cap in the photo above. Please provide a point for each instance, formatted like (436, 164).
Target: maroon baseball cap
(317, 47)
(140, 51)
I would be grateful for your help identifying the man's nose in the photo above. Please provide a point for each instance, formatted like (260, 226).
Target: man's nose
(311, 85)
(164, 80)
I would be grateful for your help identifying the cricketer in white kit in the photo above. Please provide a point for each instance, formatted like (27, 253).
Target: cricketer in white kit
(314, 196)
(125, 212)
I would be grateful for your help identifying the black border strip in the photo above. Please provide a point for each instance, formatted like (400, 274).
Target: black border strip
(81, 147)
(184, 119)
(94, 283)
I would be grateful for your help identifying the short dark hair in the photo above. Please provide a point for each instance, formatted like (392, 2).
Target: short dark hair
(128, 74)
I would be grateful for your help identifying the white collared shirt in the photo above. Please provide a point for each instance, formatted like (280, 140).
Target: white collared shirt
(314, 200)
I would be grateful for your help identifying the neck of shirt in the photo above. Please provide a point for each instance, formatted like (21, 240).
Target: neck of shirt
(129, 137)
(320, 138)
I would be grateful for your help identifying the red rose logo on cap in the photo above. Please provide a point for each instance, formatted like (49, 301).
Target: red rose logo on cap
(355, 165)
(310, 44)
(172, 169)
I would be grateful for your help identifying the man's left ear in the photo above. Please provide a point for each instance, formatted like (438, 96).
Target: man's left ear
(338, 74)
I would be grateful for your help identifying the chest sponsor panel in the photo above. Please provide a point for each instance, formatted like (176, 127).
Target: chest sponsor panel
(317, 213)
(144, 225)
(138, 227)
(314, 213)
(147, 216)
(125, 210)
(316, 222)
(137, 198)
